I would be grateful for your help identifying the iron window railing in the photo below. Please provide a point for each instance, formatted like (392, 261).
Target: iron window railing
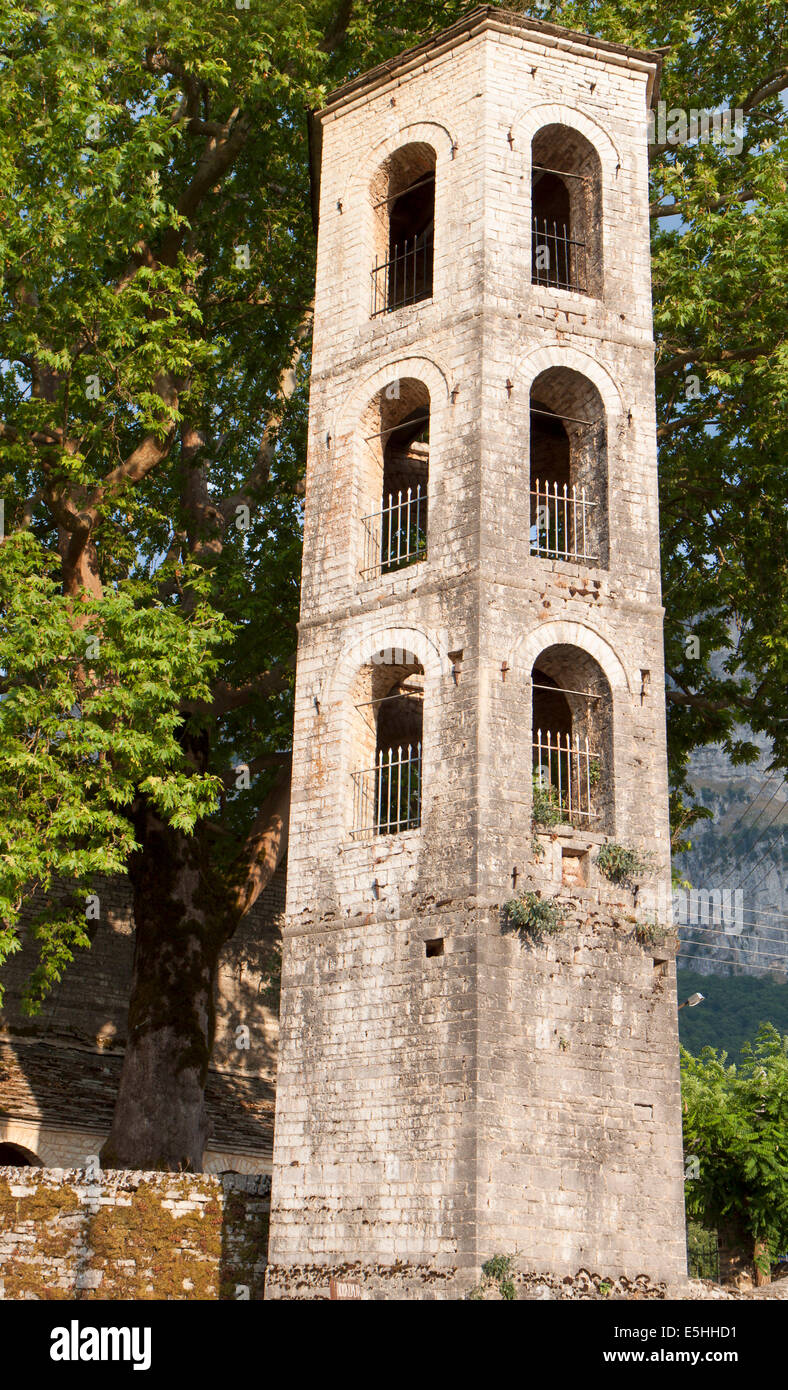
(396, 536)
(558, 259)
(405, 278)
(567, 773)
(387, 797)
(560, 522)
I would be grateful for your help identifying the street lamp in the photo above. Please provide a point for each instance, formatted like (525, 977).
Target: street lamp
(692, 1001)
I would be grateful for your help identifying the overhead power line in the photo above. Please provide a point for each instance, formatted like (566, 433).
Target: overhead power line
(754, 824)
(685, 927)
(761, 963)
(752, 801)
(765, 855)
(743, 966)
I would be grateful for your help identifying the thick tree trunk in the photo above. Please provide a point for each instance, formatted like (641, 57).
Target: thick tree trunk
(761, 1252)
(181, 924)
(184, 912)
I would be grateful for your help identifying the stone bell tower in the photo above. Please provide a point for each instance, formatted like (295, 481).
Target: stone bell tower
(479, 703)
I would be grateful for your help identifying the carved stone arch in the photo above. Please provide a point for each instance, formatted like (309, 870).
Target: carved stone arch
(431, 133)
(14, 1155)
(431, 655)
(428, 370)
(570, 451)
(533, 361)
(395, 203)
(365, 441)
(564, 632)
(572, 161)
(533, 118)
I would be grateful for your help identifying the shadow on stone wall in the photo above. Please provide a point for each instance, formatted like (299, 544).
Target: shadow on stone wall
(60, 1069)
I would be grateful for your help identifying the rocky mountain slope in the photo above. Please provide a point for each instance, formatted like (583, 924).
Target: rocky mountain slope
(738, 866)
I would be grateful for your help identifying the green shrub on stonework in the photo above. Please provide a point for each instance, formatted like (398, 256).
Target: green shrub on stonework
(533, 916)
(498, 1267)
(650, 932)
(622, 865)
(546, 808)
(498, 1271)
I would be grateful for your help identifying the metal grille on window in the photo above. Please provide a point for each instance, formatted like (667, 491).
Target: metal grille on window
(559, 260)
(405, 277)
(397, 535)
(566, 771)
(562, 517)
(387, 797)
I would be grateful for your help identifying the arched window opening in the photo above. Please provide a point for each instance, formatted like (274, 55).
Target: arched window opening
(572, 737)
(404, 206)
(568, 469)
(395, 478)
(566, 192)
(15, 1156)
(387, 780)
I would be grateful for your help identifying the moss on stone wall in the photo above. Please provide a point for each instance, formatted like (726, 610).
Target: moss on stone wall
(146, 1251)
(47, 1223)
(104, 1239)
(41, 1204)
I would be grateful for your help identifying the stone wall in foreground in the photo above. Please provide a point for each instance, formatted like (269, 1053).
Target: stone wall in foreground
(76, 1234)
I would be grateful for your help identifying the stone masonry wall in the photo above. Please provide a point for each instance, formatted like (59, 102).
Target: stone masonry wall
(435, 1109)
(519, 1098)
(74, 1234)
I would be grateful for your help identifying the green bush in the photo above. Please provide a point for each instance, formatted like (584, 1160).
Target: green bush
(622, 865)
(533, 916)
(735, 1117)
(546, 808)
(649, 932)
(498, 1269)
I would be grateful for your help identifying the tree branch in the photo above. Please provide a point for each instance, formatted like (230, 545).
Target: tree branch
(682, 696)
(272, 682)
(686, 421)
(682, 209)
(139, 463)
(774, 84)
(288, 381)
(216, 159)
(41, 439)
(338, 29)
(265, 845)
(725, 355)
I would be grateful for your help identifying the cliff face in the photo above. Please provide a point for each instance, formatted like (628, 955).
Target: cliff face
(741, 852)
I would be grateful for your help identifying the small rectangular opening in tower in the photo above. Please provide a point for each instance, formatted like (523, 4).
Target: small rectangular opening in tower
(574, 867)
(435, 947)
